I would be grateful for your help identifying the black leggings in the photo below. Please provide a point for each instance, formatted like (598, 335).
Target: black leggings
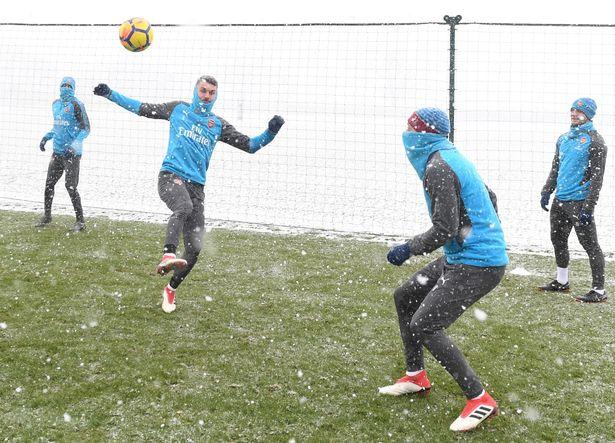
(430, 302)
(565, 216)
(185, 199)
(57, 166)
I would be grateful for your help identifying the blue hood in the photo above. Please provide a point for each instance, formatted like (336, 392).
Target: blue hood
(199, 106)
(67, 93)
(420, 145)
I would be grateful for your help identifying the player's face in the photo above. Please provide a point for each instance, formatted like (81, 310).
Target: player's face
(207, 91)
(577, 117)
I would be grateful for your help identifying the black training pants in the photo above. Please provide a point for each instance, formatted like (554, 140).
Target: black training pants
(565, 216)
(186, 200)
(59, 164)
(430, 302)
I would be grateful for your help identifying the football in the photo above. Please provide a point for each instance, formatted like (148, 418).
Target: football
(136, 34)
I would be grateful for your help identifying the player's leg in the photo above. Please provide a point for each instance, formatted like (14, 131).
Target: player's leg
(459, 288)
(408, 298)
(173, 192)
(72, 166)
(588, 237)
(54, 172)
(194, 227)
(561, 225)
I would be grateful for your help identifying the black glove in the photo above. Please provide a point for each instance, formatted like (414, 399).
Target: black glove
(102, 89)
(585, 217)
(544, 201)
(275, 124)
(41, 146)
(399, 254)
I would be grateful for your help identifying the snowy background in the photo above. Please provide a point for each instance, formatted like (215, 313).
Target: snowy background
(345, 92)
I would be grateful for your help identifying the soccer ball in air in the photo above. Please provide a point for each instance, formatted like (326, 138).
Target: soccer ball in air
(136, 34)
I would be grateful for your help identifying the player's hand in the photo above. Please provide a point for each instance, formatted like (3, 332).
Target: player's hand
(102, 89)
(544, 201)
(41, 146)
(399, 254)
(275, 124)
(585, 217)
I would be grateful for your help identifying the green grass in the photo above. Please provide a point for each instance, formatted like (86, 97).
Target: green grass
(275, 338)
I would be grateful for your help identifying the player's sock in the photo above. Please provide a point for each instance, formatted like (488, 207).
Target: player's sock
(562, 275)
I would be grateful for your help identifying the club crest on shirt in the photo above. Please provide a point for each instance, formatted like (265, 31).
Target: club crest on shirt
(67, 109)
(210, 123)
(178, 181)
(583, 139)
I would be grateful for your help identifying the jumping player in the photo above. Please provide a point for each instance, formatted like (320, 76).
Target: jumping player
(194, 131)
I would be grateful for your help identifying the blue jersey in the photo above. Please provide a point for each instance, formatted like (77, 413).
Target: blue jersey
(461, 207)
(573, 153)
(70, 121)
(193, 133)
(577, 171)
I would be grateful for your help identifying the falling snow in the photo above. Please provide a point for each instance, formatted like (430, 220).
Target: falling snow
(532, 414)
(480, 314)
(422, 279)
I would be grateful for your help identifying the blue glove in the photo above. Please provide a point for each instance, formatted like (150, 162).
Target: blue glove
(275, 123)
(544, 201)
(102, 89)
(585, 217)
(41, 146)
(399, 254)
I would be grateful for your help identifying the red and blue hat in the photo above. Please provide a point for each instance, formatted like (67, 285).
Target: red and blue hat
(586, 105)
(431, 120)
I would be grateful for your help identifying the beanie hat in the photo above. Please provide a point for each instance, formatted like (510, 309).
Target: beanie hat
(586, 105)
(432, 120)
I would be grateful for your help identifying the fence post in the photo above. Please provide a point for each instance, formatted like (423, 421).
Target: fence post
(452, 22)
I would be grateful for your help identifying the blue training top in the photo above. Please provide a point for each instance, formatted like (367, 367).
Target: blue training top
(465, 221)
(193, 133)
(70, 121)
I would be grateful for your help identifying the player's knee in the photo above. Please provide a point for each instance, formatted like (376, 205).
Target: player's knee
(184, 209)
(399, 296)
(424, 324)
(192, 252)
(558, 241)
(192, 257)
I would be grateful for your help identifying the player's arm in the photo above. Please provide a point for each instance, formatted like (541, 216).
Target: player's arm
(595, 171)
(551, 183)
(233, 137)
(83, 122)
(493, 198)
(50, 135)
(160, 111)
(443, 188)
